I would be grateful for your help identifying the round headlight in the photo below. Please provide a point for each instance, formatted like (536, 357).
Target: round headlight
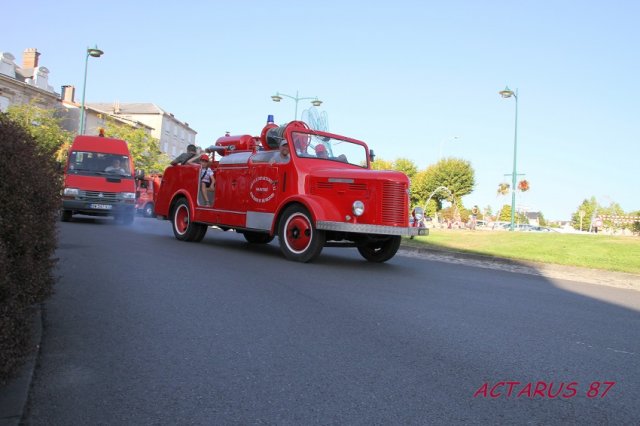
(358, 208)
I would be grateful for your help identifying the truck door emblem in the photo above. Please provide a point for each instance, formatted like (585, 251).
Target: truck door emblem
(262, 189)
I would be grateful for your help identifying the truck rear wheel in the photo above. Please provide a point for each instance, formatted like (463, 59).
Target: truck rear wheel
(380, 250)
(183, 228)
(299, 238)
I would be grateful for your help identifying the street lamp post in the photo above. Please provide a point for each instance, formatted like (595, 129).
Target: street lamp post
(507, 93)
(95, 53)
(278, 97)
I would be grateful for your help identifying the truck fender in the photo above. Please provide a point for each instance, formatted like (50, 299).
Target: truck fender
(181, 193)
(318, 207)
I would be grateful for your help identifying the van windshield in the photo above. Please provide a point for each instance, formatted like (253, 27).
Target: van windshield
(98, 163)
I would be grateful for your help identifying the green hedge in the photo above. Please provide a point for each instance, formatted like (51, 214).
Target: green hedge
(30, 201)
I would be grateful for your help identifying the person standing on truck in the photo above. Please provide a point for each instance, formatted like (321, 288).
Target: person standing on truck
(185, 156)
(207, 180)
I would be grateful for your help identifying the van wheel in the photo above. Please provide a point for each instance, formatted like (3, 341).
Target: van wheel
(381, 250)
(183, 228)
(148, 210)
(65, 215)
(257, 237)
(299, 238)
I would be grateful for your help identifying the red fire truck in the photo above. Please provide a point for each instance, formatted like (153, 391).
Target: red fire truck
(147, 187)
(310, 200)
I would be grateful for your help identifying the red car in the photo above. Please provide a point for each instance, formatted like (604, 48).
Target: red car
(317, 197)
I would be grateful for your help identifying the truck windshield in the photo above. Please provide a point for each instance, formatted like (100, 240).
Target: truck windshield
(329, 149)
(98, 163)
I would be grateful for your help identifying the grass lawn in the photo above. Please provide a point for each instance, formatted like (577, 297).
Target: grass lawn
(612, 253)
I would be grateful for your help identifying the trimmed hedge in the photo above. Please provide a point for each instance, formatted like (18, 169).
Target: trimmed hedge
(30, 202)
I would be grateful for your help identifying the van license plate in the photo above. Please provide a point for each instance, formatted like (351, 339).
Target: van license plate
(101, 206)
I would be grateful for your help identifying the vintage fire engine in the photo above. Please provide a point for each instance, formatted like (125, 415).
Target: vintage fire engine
(323, 193)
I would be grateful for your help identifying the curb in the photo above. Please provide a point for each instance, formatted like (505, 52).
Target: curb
(552, 271)
(14, 395)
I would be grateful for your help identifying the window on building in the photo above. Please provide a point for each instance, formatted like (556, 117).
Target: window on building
(4, 104)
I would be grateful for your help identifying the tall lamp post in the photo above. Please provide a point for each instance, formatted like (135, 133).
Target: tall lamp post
(95, 53)
(507, 93)
(278, 97)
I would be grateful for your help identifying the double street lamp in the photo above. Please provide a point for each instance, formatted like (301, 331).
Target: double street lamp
(95, 53)
(278, 97)
(507, 93)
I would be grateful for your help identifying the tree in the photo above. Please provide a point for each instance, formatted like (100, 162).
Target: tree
(405, 166)
(455, 174)
(504, 215)
(43, 126)
(541, 220)
(381, 164)
(145, 150)
(588, 207)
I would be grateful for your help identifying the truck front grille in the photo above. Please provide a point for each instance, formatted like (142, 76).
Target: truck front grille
(98, 197)
(395, 204)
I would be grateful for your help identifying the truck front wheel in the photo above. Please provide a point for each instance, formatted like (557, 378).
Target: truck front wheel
(65, 215)
(299, 238)
(183, 228)
(380, 250)
(148, 210)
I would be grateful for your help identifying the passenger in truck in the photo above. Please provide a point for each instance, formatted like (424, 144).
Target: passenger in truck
(321, 151)
(283, 156)
(207, 180)
(185, 156)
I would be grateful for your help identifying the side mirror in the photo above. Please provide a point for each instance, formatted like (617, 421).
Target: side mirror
(372, 155)
(139, 174)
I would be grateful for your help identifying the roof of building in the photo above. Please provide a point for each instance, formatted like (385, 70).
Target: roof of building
(117, 108)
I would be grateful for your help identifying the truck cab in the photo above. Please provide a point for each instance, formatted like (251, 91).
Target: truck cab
(98, 179)
(147, 187)
(323, 194)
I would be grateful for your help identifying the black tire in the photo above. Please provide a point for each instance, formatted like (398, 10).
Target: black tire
(65, 215)
(148, 210)
(381, 250)
(183, 228)
(257, 237)
(299, 238)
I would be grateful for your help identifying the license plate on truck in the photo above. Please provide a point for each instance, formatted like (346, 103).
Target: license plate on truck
(101, 206)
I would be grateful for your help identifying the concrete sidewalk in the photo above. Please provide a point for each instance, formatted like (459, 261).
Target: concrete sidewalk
(14, 396)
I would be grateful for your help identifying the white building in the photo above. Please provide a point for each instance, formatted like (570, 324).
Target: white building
(26, 83)
(174, 135)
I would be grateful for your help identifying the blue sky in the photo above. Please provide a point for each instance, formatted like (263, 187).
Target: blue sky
(405, 76)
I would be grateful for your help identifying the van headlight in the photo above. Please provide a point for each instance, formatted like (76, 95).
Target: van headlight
(129, 195)
(71, 192)
(357, 208)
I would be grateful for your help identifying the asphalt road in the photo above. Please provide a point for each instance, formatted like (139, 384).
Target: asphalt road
(144, 329)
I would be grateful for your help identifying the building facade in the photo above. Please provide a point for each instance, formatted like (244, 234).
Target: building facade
(174, 135)
(26, 83)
